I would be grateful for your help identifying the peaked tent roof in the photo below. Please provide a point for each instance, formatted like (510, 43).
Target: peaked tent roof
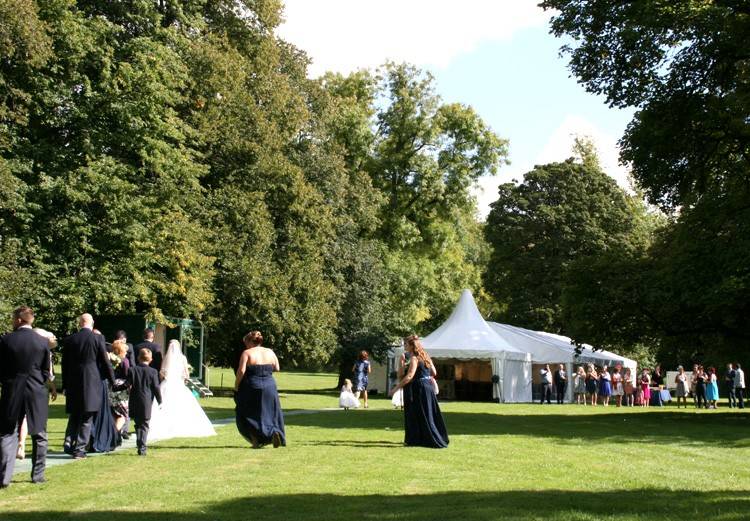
(465, 334)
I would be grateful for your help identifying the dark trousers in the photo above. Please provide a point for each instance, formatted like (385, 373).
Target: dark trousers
(739, 392)
(700, 396)
(546, 393)
(141, 434)
(8, 449)
(78, 433)
(560, 390)
(732, 396)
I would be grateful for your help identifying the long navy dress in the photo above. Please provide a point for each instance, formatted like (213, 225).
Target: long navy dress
(104, 436)
(423, 422)
(258, 409)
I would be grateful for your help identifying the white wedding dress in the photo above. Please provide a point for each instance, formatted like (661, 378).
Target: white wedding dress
(180, 415)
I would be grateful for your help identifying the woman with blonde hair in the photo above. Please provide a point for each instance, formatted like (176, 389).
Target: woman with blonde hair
(579, 386)
(118, 395)
(423, 422)
(591, 383)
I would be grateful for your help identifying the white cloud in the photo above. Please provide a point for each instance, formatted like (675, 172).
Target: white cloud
(346, 35)
(558, 147)
(560, 144)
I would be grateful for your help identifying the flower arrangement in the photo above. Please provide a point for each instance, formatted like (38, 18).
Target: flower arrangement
(114, 360)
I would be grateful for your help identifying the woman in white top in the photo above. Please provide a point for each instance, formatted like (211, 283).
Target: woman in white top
(682, 386)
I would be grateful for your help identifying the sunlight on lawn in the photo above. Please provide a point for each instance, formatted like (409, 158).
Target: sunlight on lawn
(518, 462)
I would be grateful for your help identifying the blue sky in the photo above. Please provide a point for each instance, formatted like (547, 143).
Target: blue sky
(496, 56)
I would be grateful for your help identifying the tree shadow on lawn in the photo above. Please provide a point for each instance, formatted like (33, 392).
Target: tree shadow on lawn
(653, 427)
(515, 505)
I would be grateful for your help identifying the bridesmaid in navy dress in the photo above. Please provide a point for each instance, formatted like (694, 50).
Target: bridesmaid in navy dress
(259, 417)
(423, 422)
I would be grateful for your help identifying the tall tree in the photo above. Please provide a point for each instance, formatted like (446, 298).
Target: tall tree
(561, 212)
(683, 65)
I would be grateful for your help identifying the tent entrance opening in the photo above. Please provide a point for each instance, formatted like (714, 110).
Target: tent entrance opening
(465, 380)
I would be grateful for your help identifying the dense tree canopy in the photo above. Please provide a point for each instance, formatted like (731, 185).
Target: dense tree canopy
(684, 67)
(174, 159)
(541, 228)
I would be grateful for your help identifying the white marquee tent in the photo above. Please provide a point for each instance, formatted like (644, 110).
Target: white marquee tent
(466, 336)
(548, 348)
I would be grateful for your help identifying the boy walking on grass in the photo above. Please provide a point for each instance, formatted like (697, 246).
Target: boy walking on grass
(144, 387)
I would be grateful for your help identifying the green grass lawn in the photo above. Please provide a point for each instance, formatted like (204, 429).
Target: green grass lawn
(516, 462)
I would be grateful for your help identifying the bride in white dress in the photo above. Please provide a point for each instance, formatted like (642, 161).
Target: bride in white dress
(180, 415)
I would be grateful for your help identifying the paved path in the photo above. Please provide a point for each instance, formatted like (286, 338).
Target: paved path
(60, 458)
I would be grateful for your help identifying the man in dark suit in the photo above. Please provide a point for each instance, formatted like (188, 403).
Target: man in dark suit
(24, 376)
(84, 365)
(561, 382)
(144, 387)
(148, 343)
(130, 355)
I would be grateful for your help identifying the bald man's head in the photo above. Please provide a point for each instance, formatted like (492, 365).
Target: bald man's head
(86, 320)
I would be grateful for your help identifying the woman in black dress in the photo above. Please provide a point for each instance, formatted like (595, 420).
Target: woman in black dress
(423, 422)
(259, 417)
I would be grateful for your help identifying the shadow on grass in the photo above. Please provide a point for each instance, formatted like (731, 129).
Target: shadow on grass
(554, 505)
(351, 443)
(655, 427)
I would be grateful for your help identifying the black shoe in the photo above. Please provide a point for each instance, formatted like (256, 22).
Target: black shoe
(276, 438)
(67, 449)
(79, 455)
(38, 481)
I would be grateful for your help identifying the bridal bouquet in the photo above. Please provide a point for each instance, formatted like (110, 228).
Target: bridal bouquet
(114, 360)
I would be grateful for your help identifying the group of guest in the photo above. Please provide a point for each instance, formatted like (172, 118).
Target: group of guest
(703, 385)
(592, 386)
(97, 394)
(96, 390)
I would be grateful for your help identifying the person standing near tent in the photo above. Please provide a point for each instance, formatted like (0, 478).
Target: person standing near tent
(682, 388)
(362, 369)
(561, 383)
(605, 385)
(617, 389)
(739, 385)
(591, 383)
(579, 386)
(546, 375)
(645, 385)
(423, 421)
(628, 387)
(700, 378)
(729, 383)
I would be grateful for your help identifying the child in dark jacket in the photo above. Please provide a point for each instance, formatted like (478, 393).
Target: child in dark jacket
(144, 387)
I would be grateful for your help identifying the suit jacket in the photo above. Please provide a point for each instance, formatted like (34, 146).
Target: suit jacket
(84, 365)
(155, 351)
(144, 387)
(24, 371)
(130, 355)
(558, 378)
